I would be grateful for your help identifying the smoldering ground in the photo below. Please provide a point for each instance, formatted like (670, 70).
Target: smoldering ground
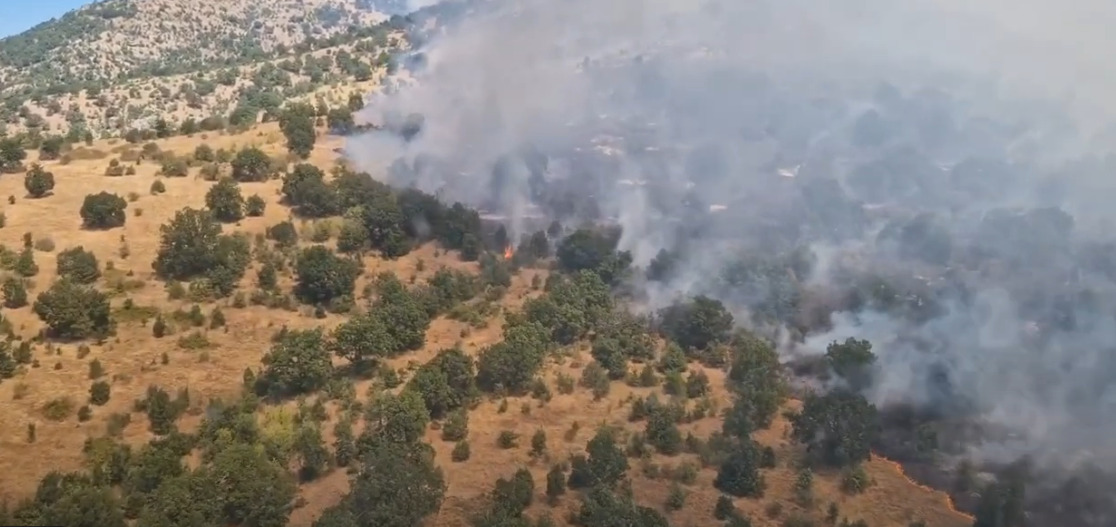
(931, 175)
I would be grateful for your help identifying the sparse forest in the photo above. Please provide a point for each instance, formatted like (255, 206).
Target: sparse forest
(211, 316)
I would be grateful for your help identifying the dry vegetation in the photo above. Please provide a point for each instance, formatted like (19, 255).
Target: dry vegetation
(135, 36)
(155, 59)
(133, 361)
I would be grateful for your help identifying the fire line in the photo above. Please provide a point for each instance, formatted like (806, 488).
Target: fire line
(947, 498)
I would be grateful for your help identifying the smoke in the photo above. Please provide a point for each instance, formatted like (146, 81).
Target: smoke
(932, 175)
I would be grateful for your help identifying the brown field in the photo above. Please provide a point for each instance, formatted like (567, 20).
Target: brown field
(132, 361)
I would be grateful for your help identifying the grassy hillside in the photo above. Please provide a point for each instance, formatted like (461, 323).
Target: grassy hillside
(198, 299)
(53, 383)
(113, 66)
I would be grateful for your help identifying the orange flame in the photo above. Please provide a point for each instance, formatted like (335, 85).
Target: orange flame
(945, 496)
(508, 252)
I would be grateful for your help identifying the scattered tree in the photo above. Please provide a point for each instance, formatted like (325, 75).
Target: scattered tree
(73, 311)
(79, 265)
(323, 276)
(251, 165)
(837, 428)
(103, 211)
(225, 202)
(297, 363)
(38, 181)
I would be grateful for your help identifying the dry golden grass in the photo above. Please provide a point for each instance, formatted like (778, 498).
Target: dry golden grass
(132, 360)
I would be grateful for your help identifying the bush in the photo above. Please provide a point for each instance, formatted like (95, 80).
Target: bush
(507, 439)
(456, 426)
(460, 452)
(174, 167)
(38, 181)
(73, 311)
(855, 480)
(158, 187)
(103, 211)
(114, 169)
(58, 409)
(204, 153)
(225, 202)
(283, 233)
(251, 165)
(254, 206)
(99, 393)
(79, 265)
(210, 172)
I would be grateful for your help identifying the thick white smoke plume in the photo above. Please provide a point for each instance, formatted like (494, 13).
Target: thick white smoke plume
(955, 150)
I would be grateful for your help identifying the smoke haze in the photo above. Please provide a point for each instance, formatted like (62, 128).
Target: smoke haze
(932, 175)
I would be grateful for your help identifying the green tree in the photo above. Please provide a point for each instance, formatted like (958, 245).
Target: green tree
(251, 165)
(251, 489)
(555, 483)
(852, 360)
(398, 485)
(83, 505)
(362, 338)
(51, 148)
(445, 383)
(103, 211)
(353, 237)
(297, 124)
(605, 465)
(837, 428)
(513, 363)
(12, 154)
(337, 516)
(305, 189)
(79, 265)
(739, 473)
(313, 457)
(604, 507)
(204, 153)
(322, 276)
(15, 293)
(225, 202)
(192, 246)
(696, 324)
(183, 501)
(396, 418)
(297, 363)
(344, 444)
(756, 378)
(74, 311)
(594, 250)
(38, 181)
(283, 233)
(356, 102)
(254, 206)
(340, 121)
(25, 265)
(662, 433)
(456, 427)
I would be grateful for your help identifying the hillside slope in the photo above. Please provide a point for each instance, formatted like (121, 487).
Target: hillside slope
(120, 64)
(135, 38)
